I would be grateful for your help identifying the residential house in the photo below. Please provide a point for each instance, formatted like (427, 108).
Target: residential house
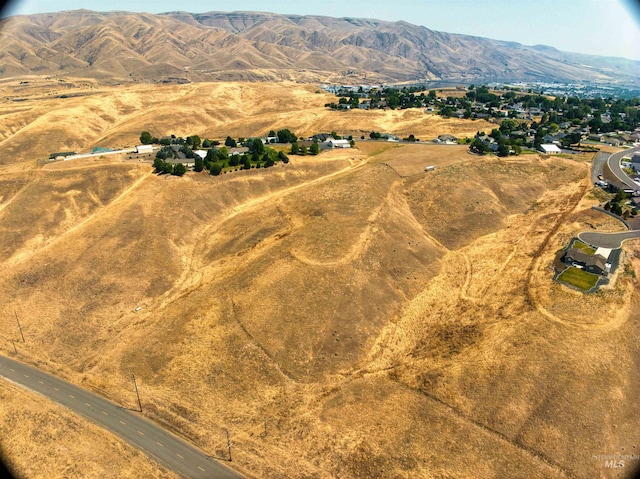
(555, 138)
(592, 263)
(448, 139)
(613, 141)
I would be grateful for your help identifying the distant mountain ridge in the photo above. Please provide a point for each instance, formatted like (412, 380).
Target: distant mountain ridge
(180, 46)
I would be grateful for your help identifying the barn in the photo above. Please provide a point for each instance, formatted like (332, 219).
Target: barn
(144, 149)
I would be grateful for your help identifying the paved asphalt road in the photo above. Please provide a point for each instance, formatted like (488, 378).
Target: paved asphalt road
(598, 163)
(608, 240)
(151, 439)
(614, 166)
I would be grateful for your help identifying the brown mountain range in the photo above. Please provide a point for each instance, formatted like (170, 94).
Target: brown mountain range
(175, 46)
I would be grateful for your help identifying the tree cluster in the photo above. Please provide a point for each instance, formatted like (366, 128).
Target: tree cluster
(160, 166)
(615, 205)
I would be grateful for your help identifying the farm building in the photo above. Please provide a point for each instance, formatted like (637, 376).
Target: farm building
(550, 149)
(339, 144)
(144, 149)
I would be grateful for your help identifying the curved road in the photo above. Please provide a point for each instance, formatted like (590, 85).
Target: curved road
(151, 439)
(608, 240)
(614, 166)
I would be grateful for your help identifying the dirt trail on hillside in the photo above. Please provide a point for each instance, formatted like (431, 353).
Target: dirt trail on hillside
(195, 270)
(20, 258)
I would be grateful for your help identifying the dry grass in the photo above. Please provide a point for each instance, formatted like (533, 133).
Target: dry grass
(384, 326)
(115, 116)
(47, 440)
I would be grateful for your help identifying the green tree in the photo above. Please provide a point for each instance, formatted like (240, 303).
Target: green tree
(215, 170)
(212, 155)
(146, 138)
(179, 169)
(206, 143)
(198, 165)
(256, 146)
(271, 133)
(303, 149)
(503, 149)
(315, 149)
(230, 142)
(295, 149)
(620, 196)
(282, 157)
(193, 141)
(158, 164)
(507, 126)
(246, 164)
(478, 146)
(167, 167)
(223, 153)
(286, 136)
(234, 160)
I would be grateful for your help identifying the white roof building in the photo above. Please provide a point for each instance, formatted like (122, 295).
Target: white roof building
(144, 149)
(338, 144)
(550, 149)
(201, 153)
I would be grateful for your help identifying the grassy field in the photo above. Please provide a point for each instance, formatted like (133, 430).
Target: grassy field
(383, 325)
(579, 278)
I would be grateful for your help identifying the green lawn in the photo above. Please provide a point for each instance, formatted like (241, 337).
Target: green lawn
(577, 244)
(578, 278)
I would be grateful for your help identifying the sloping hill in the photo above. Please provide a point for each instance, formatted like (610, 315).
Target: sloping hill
(127, 46)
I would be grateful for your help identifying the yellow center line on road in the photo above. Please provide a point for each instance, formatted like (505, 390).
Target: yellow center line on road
(122, 422)
(200, 468)
(105, 413)
(87, 404)
(141, 433)
(180, 456)
(72, 396)
(159, 444)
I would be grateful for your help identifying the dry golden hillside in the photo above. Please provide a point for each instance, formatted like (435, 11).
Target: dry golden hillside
(385, 322)
(35, 122)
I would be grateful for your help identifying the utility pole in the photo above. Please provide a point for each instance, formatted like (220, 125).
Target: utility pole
(137, 393)
(265, 425)
(19, 327)
(14, 346)
(229, 445)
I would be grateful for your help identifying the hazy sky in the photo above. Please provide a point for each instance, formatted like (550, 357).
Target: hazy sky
(599, 27)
